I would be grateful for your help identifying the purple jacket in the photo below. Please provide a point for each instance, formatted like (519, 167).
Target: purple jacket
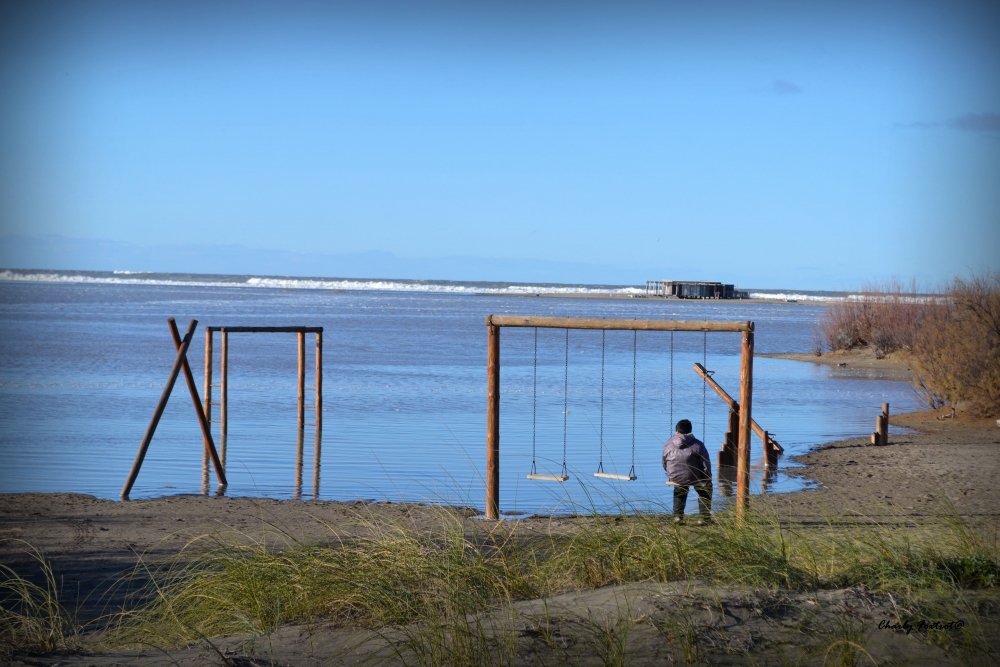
(686, 460)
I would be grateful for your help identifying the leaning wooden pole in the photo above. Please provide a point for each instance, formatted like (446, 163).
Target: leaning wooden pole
(735, 407)
(746, 401)
(164, 397)
(206, 429)
(302, 380)
(492, 421)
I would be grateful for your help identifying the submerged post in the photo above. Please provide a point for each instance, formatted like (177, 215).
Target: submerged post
(746, 400)
(302, 379)
(208, 402)
(224, 396)
(492, 420)
(319, 412)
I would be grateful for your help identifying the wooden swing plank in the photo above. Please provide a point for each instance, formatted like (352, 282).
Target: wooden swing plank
(620, 325)
(608, 475)
(548, 478)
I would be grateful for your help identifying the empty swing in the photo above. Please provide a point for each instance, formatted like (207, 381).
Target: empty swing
(563, 476)
(630, 477)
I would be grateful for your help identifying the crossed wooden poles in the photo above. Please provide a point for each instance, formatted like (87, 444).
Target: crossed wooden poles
(180, 363)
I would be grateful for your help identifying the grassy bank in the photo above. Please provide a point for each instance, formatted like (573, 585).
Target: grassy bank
(952, 339)
(452, 595)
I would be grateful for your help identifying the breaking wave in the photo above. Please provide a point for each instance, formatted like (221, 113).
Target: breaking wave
(347, 284)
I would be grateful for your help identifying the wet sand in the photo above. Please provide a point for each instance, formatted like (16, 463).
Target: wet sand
(856, 363)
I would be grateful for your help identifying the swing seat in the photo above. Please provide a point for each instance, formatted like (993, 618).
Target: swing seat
(548, 478)
(610, 475)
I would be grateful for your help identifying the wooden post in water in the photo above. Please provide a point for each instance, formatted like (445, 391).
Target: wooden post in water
(492, 420)
(299, 451)
(208, 402)
(224, 395)
(746, 406)
(206, 429)
(160, 406)
(317, 450)
(302, 380)
(884, 434)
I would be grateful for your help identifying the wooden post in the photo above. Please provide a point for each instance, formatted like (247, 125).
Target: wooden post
(885, 424)
(206, 429)
(492, 421)
(770, 456)
(302, 380)
(317, 450)
(746, 406)
(224, 395)
(160, 406)
(208, 395)
(299, 447)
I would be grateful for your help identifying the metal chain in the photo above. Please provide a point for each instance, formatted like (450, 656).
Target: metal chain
(534, 403)
(565, 401)
(704, 385)
(635, 340)
(671, 379)
(600, 459)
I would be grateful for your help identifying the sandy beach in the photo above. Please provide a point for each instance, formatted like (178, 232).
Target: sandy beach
(938, 469)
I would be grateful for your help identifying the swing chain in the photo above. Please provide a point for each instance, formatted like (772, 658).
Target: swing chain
(534, 403)
(671, 379)
(565, 402)
(600, 458)
(635, 341)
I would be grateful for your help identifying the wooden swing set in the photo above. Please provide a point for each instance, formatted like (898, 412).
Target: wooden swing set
(736, 448)
(204, 412)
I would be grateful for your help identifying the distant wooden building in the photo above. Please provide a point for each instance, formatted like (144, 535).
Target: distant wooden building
(693, 289)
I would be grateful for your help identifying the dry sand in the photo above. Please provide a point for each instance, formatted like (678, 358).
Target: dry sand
(939, 468)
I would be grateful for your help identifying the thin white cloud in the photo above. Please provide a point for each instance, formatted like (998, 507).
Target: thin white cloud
(970, 122)
(782, 87)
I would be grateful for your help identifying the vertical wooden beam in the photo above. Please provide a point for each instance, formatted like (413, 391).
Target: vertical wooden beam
(746, 407)
(207, 408)
(317, 450)
(884, 433)
(492, 421)
(299, 447)
(319, 381)
(224, 396)
(160, 406)
(302, 380)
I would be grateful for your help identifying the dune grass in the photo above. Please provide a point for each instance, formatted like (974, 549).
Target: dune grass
(31, 616)
(448, 595)
(444, 582)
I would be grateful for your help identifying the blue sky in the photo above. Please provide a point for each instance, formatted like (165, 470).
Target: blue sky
(792, 144)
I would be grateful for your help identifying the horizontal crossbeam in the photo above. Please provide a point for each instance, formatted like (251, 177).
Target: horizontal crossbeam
(612, 325)
(267, 329)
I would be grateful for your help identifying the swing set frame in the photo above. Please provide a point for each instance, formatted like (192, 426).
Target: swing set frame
(495, 322)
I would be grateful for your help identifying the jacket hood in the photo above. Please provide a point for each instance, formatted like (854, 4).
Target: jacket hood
(685, 440)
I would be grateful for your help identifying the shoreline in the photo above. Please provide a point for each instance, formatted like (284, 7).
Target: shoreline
(93, 545)
(854, 363)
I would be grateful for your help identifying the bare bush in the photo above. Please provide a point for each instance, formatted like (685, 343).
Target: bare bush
(884, 317)
(957, 348)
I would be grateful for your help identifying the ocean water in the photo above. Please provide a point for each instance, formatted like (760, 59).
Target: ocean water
(83, 361)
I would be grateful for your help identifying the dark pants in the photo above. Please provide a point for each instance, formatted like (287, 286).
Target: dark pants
(704, 499)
